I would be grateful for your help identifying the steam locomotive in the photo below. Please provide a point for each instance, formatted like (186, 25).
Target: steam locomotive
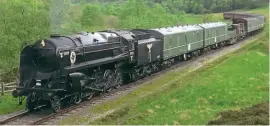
(67, 69)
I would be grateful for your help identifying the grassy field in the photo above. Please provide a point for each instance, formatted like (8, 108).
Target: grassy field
(235, 81)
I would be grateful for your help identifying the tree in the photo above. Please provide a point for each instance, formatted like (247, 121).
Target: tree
(58, 15)
(213, 7)
(28, 23)
(198, 8)
(92, 16)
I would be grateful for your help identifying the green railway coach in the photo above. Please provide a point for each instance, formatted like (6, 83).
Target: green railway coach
(214, 32)
(180, 40)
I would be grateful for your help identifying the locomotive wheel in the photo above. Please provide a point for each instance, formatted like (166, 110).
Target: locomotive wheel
(87, 96)
(77, 98)
(56, 104)
(109, 89)
(30, 102)
(90, 96)
(108, 77)
(117, 86)
(118, 78)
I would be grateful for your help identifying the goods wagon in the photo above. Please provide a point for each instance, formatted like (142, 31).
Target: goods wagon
(253, 24)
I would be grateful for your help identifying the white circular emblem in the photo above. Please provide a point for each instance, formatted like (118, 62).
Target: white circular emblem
(72, 57)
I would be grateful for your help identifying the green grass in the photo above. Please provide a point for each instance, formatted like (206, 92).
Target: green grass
(9, 104)
(264, 11)
(196, 19)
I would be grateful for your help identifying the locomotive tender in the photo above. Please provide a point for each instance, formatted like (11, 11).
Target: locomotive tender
(65, 70)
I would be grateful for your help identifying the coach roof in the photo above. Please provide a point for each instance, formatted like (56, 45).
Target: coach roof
(178, 29)
(213, 24)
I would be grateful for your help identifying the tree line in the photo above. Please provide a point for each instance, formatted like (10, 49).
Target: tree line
(24, 21)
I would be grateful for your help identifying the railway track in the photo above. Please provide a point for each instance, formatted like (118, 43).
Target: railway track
(41, 117)
(12, 118)
(99, 99)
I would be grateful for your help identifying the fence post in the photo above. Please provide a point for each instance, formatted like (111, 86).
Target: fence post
(2, 92)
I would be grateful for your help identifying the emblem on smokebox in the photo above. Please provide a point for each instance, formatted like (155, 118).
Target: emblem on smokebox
(42, 43)
(72, 57)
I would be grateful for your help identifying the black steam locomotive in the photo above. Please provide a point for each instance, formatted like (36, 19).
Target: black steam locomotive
(68, 69)
(64, 70)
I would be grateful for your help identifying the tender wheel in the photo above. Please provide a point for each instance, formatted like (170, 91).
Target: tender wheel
(30, 102)
(56, 104)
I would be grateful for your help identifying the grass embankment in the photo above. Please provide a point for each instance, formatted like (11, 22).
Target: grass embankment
(9, 104)
(235, 81)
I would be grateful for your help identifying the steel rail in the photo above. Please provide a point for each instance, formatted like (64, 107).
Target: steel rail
(10, 119)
